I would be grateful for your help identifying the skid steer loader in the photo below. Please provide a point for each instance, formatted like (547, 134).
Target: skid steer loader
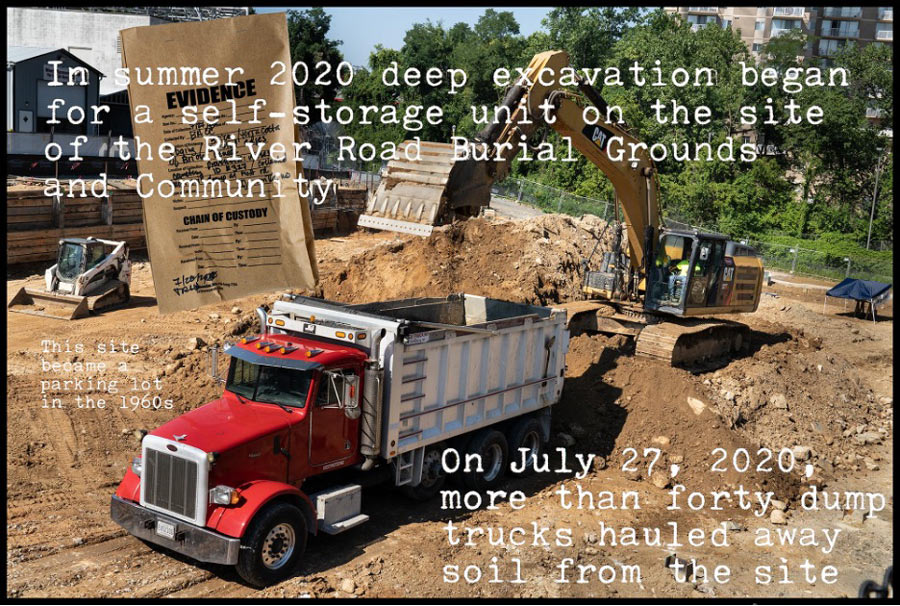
(90, 275)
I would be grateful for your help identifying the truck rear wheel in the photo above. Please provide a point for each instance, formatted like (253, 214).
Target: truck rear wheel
(526, 433)
(433, 477)
(272, 545)
(494, 451)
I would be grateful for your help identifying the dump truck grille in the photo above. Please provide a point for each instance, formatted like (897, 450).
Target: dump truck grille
(170, 483)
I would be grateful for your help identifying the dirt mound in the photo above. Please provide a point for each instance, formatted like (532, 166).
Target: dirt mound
(613, 401)
(792, 393)
(532, 261)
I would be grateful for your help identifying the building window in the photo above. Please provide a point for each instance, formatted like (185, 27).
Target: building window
(788, 11)
(884, 31)
(756, 47)
(840, 29)
(760, 25)
(829, 47)
(885, 13)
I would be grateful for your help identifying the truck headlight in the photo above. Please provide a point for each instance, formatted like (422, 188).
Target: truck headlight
(224, 495)
(137, 466)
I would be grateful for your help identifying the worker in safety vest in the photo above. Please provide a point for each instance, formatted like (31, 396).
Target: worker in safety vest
(679, 275)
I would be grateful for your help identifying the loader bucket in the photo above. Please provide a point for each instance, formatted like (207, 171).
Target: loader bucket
(435, 188)
(48, 305)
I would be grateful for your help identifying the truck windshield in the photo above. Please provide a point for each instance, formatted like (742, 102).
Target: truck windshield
(285, 386)
(71, 257)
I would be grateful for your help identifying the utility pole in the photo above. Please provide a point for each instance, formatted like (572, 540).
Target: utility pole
(874, 199)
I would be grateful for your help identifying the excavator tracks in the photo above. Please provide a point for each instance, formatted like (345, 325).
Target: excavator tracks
(684, 342)
(688, 343)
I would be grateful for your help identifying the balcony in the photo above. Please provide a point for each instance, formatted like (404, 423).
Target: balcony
(703, 9)
(843, 12)
(777, 31)
(795, 12)
(840, 32)
(885, 14)
(885, 35)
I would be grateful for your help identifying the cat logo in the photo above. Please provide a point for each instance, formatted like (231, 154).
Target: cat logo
(598, 135)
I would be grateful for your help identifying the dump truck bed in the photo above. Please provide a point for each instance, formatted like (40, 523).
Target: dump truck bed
(452, 365)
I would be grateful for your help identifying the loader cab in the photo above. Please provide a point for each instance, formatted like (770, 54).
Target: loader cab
(78, 255)
(687, 274)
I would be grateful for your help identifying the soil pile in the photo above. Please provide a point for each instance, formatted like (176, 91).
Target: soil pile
(533, 261)
(793, 393)
(613, 401)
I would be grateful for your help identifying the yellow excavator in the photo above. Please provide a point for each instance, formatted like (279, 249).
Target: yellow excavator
(655, 284)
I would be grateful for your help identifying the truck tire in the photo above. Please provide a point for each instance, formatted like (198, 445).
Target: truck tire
(433, 477)
(272, 545)
(494, 451)
(526, 433)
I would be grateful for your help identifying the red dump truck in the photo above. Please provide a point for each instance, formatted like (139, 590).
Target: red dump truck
(330, 397)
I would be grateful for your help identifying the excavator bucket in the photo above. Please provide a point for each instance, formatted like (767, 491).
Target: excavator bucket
(433, 189)
(49, 305)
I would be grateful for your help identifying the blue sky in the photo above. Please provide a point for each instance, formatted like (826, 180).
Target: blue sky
(361, 29)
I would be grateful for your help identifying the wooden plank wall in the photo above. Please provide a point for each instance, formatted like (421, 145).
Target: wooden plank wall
(41, 245)
(33, 225)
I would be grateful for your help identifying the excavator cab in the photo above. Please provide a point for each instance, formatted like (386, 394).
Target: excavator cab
(695, 273)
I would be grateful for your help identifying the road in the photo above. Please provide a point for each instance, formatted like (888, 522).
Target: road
(505, 207)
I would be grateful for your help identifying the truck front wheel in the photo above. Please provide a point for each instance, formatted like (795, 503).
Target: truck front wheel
(272, 545)
(491, 445)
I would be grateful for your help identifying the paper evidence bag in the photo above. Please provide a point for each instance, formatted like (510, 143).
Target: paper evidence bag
(207, 247)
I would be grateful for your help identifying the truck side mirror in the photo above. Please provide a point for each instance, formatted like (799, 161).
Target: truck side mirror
(214, 352)
(351, 396)
(351, 391)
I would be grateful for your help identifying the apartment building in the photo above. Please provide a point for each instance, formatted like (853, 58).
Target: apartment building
(830, 27)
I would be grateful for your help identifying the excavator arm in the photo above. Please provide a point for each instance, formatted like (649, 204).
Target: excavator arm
(633, 175)
(435, 188)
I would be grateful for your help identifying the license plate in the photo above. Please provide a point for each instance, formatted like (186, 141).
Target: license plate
(165, 529)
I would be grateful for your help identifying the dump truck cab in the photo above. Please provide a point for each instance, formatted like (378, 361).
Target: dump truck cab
(289, 411)
(317, 384)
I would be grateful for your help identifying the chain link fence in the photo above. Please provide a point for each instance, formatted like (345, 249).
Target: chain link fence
(551, 199)
(780, 257)
(814, 263)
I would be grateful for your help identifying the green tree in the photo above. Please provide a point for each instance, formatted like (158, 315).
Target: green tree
(588, 34)
(309, 43)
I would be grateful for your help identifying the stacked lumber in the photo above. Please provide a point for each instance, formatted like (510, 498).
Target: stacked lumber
(28, 209)
(41, 245)
(126, 207)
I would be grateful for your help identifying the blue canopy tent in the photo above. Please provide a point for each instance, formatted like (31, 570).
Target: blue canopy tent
(868, 291)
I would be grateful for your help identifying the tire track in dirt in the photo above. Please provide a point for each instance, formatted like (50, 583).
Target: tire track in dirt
(61, 433)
